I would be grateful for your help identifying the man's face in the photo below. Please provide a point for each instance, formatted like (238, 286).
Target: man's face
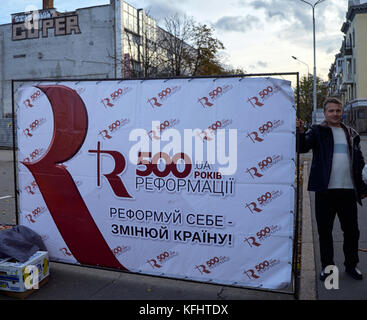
(333, 114)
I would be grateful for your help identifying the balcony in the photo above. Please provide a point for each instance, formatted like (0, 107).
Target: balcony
(348, 51)
(335, 91)
(346, 71)
(348, 79)
(343, 87)
(345, 27)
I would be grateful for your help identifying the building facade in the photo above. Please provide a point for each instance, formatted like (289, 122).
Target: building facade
(348, 74)
(104, 42)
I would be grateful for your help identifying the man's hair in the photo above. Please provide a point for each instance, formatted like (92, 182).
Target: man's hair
(332, 100)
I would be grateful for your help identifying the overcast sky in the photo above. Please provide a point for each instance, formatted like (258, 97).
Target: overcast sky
(260, 36)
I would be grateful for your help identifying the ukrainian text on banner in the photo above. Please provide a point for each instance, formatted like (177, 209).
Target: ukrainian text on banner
(188, 178)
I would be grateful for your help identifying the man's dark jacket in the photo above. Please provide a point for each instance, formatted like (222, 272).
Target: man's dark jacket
(320, 139)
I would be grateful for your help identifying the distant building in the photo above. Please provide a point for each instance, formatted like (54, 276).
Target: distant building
(348, 74)
(106, 41)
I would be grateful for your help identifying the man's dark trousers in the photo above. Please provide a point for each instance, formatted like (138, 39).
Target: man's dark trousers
(343, 203)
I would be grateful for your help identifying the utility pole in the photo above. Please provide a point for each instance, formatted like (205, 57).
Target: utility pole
(314, 58)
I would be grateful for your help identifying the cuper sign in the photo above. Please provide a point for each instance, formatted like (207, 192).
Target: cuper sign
(65, 25)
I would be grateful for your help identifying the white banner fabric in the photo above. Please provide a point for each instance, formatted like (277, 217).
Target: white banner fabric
(212, 198)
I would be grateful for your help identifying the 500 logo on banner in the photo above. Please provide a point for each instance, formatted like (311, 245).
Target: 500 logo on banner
(31, 188)
(211, 264)
(259, 135)
(29, 102)
(114, 96)
(205, 182)
(33, 126)
(159, 260)
(263, 234)
(214, 95)
(264, 94)
(163, 126)
(263, 165)
(112, 128)
(65, 252)
(120, 250)
(170, 164)
(265, 266)
(262, 201)
(162, 96)
(34, 155)
(35, 214)
(204, 135)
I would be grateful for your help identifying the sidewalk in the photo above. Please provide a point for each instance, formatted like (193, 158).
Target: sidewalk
(308, 273)
(349, 289)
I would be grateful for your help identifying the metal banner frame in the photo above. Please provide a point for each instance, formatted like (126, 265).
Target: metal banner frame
(295, 275)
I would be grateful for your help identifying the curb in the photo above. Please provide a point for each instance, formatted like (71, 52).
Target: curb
(308, 286)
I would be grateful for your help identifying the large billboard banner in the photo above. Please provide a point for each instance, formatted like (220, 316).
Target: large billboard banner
(183, 178)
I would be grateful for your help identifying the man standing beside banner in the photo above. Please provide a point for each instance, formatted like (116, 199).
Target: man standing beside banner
(336, 178)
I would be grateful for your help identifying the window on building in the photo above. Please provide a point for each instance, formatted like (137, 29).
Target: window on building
(349, 69)
(361, 114)
(131, 10)
(131, 23)
(126, 19)
(350, 92)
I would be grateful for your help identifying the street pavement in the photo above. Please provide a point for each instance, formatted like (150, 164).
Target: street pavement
(70, 282)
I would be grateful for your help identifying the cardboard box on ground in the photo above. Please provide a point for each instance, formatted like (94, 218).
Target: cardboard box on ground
(23, 276)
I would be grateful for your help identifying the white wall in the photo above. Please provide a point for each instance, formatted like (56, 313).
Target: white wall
(89, 54)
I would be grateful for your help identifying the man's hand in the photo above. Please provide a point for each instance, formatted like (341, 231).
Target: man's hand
(300, 126)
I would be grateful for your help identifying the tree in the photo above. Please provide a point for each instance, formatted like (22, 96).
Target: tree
(306, 96)
(232, 71)
(189, 48)
(182, 47)
(143, 51)
(205, 58)
(175, 42)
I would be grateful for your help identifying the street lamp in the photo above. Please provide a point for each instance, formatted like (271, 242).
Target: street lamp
(308, 69)
(314, 55)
